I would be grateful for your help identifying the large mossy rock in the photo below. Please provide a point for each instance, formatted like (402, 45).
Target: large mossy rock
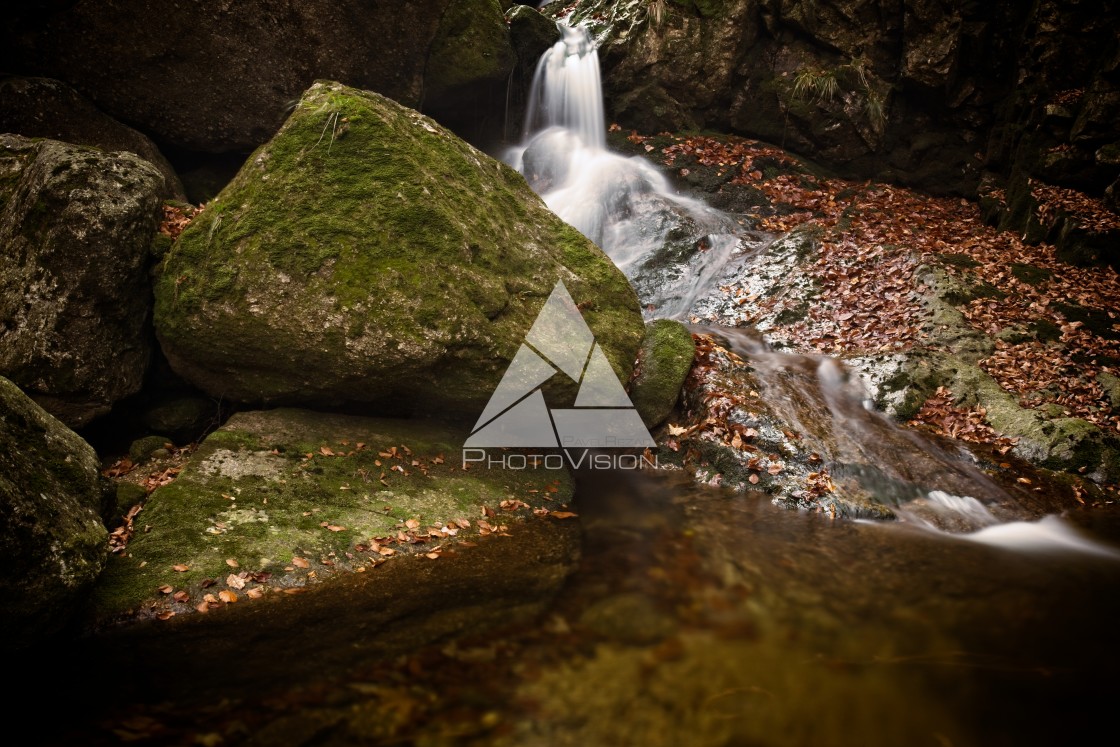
(76, 225)
(367, 255)
(52, 542)
(41, 107)
(220, 77)
(292, 496)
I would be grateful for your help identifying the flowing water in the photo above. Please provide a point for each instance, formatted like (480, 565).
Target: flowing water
(696, 616)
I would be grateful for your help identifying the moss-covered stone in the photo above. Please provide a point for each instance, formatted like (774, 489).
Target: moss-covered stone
(471, 45)
(275, 485)
(663, 363)
(52, 541)
(142, 449)
(75, 225)
(368, 255)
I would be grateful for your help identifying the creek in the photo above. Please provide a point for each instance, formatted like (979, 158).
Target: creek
(697, 615)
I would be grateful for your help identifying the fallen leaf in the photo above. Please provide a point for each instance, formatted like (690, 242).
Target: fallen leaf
(180, 568)
(227, 596)
(166, 589)
(232, 563)
(235, 582)
(300, 562)
(562, 514)
(181, 596)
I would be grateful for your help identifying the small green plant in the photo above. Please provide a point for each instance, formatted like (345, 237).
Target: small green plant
(875, 106)
(818, 82)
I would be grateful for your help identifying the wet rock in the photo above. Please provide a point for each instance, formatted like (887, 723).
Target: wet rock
(367, 255)
(76, 224)
(663, 363)
(41, 107)
(52, 541)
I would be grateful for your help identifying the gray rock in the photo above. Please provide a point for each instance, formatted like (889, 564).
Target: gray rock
(221, 77)
(41, 107)
(75, 229)
(52, 542)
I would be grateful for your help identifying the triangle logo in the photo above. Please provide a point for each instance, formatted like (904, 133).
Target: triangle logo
(560, 343)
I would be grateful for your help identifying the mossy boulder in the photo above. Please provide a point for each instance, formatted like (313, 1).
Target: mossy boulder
(471, 46)
(663, 363)
(367, 255)
(52, 542)
(75, 224)
(288, 497)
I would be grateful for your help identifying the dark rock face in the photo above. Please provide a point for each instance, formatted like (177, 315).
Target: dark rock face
(41, 107)
(220, 77)
(52, 542)
(904, 91)
(75, 229)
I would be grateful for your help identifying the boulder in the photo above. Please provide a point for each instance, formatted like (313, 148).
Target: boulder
(52, 541)
(663, 363)
(283, 499)
(76, 225)
(221, 77)
(41, 107)
(367, 255)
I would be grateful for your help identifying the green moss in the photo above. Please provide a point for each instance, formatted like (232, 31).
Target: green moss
(1045, 330)
(794, 315)
(272, 485)
(1031, 274)
(1099, 322)
(952, 259)
(663, 364)
(369, 244)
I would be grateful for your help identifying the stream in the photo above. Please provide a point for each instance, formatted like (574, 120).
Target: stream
(697, 615)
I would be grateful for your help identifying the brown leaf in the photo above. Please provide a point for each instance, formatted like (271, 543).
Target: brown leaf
(166, 589)
(180, 568)
(299, 562)
(235, 582)
(227, 596)
(232, 563)
(255, 593)
(181, 596)
(562, 515)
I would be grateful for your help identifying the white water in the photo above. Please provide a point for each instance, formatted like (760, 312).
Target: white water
(625, 205)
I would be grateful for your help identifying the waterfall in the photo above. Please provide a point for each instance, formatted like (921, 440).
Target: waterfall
(675, 250)
(670, 246)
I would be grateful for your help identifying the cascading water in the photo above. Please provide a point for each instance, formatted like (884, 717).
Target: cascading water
(670, 246)
(675, 249)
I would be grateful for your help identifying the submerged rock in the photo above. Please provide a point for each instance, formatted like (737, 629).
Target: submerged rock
(76, 225)
(52, 542)
(367, 255)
